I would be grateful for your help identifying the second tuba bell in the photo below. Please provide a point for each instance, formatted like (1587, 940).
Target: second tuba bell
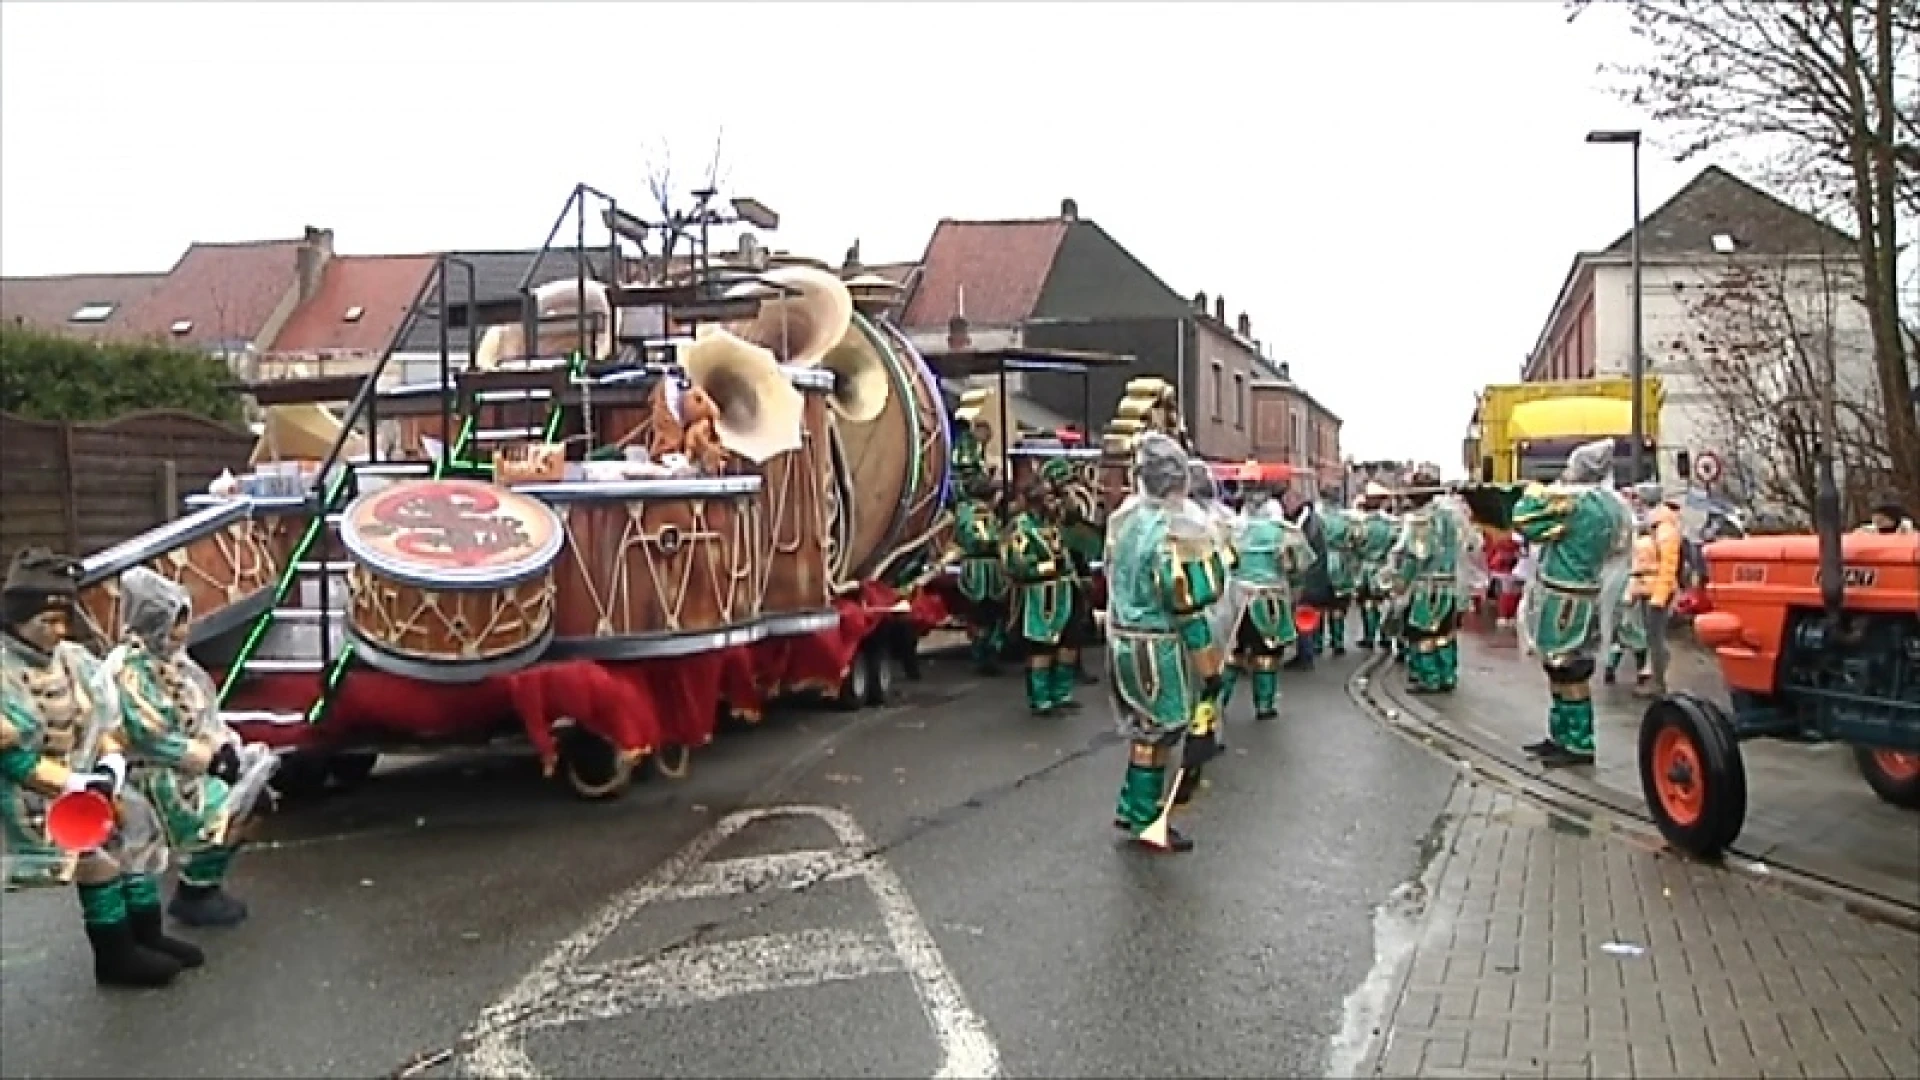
(860, 381)
(804, 313)
(760, 411)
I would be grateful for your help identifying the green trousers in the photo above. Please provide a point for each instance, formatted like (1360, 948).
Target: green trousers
(1570, 717)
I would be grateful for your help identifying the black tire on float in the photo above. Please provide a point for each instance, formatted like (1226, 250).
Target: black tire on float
(302, 775)
(351, 770)
(1893, 775)
(857, 686)
(1692, 775)
(591, 766)
(881, 676)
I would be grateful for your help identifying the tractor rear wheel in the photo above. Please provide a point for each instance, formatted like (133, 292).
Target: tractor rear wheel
(1691, 774)
(1894, 775)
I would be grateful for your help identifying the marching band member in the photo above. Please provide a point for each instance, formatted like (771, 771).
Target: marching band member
(1377, 531)
(983, 579)
(1204, 496)
(1080, 538)
(57, 735)
(1583, 533)
(1274, 558)
(1342, 529)
(186, 761)
(1041, 573)
(1630, 628)
(1425, 567)
(1164, 570)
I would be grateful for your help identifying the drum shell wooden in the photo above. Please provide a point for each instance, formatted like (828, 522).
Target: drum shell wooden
(227, 554)
(658, 567)
(896, 464)
(796, 502)
(447, 625)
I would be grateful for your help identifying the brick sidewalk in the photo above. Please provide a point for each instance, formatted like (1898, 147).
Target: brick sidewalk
(1808, 807)
(1719, 976)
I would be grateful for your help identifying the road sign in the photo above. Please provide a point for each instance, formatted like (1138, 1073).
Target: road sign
(1707, 467)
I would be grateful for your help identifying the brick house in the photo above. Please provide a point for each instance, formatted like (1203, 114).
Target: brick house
(1065, 283)
(80, 305)
(355, 314)
(1291, 427)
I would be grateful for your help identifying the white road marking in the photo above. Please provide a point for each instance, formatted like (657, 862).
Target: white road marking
(565, 989)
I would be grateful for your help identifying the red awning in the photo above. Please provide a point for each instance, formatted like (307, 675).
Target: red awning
(1251, 472)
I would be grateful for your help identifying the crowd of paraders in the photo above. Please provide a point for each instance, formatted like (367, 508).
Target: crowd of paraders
(1205, 591)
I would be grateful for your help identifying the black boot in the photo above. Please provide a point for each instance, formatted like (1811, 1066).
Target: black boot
(119, 960)
(205, 905)
(149, 933)
(1177, 842)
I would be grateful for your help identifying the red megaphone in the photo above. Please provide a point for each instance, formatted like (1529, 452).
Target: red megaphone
(80, 821)
(1306, 619)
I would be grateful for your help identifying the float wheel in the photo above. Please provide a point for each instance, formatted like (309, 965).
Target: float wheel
(857, 688)
(681, 758)
(301, 775)
(1692, 775)
(592, 767)
(1894, 775)
(352, 770)
(880, 679)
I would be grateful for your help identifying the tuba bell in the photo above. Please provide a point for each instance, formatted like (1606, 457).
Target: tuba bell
(804, 313)
(760, 413)
(860, 381)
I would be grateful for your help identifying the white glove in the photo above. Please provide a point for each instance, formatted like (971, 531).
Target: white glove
(78, 781)
(114, 765)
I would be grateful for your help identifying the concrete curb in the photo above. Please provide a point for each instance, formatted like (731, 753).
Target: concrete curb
(1379, 688)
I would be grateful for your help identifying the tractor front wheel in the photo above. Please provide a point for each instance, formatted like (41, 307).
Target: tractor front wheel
(1691, 774)
(1894, 775)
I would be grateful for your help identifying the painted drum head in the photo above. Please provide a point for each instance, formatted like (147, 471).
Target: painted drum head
(453, 532)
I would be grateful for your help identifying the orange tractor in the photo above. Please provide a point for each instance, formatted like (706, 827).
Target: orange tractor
(1805, 659)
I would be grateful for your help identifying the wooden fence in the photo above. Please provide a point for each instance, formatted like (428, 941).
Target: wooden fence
(79, 488)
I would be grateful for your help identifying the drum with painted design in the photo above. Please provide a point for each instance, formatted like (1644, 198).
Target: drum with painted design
(653, 568)
(799, 503)
(452, 580)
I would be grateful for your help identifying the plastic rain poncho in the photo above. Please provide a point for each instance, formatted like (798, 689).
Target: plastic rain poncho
(150, 607)
(1203, 497)
(1589, 474)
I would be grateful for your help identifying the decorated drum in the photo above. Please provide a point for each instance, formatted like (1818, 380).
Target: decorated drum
(798, 504)
(452, 580)
(896, 465)
(657, 567)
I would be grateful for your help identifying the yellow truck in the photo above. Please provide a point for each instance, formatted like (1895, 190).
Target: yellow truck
(1524, 431)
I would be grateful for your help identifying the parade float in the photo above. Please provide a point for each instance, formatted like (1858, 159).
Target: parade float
(630, 511)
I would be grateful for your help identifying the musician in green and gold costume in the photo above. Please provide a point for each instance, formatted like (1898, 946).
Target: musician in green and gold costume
(1081, 538)
(1342, 529)
(199, 776)
(1582, 534)
(1274, 558)
(59, 736)
(1377, 531)
(1164, 570)
(983, 580)
(1425, 568)
(1041, 574)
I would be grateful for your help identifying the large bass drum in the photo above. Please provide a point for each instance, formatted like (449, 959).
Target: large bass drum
(894, 467)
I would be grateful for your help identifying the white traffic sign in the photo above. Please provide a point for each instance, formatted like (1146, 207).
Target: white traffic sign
(1707, 468)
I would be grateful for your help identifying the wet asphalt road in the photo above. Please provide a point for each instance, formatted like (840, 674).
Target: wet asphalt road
(998, 918)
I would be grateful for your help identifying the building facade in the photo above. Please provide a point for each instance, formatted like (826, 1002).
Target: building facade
(1291, 427)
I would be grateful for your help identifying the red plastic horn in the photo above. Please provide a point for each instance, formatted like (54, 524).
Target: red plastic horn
(80, 821)
(1306, 619)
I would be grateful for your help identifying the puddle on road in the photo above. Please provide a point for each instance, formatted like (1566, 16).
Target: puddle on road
(1397, 926)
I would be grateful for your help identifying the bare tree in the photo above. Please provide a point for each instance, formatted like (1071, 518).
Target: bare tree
(1765, 340)
(663, 188)
(1827, 93)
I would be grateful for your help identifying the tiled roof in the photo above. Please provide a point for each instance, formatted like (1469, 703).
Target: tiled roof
(49, 303)
(1716, 202)
(496, 278)
(227, 292)
(999, 266)
(381, 287)
(898, 273)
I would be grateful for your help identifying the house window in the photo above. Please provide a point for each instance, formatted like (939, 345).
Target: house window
(91, 313)
(182, 326)
(1300, 452)
(1239, 401)
(1217, 380)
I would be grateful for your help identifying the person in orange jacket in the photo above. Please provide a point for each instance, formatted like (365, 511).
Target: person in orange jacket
(1664, 521)
(1630, 625)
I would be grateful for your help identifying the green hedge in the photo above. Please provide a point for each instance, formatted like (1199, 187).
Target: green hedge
(50, 377)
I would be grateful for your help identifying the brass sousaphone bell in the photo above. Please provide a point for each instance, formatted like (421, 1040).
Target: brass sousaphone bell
(806, 319)
(760, 411)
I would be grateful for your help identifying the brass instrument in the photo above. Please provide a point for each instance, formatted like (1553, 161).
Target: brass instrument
(759, 410)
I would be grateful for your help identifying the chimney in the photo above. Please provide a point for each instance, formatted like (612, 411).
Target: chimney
(1069, 210)
(1220, 308)
(1200, 302)
(1286, 370)
(958, 338)
(1245, 326)
(310, 260)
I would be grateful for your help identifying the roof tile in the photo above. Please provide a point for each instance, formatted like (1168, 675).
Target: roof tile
(1716, 201)
(228, 292)
(999, 266)
(49, 303)
(383, 287)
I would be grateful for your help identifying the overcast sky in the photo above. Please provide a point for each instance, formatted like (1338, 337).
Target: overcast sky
(1392, 191)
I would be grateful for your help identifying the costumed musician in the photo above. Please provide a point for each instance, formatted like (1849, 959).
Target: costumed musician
(1164, 571)
(1427, 567)
(1376, 535)
(1081, 536)
(1041, 575)
(976, 549)
(58, 736)
(1275, 558)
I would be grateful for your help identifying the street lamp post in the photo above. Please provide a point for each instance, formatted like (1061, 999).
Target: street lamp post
(1637, 364)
